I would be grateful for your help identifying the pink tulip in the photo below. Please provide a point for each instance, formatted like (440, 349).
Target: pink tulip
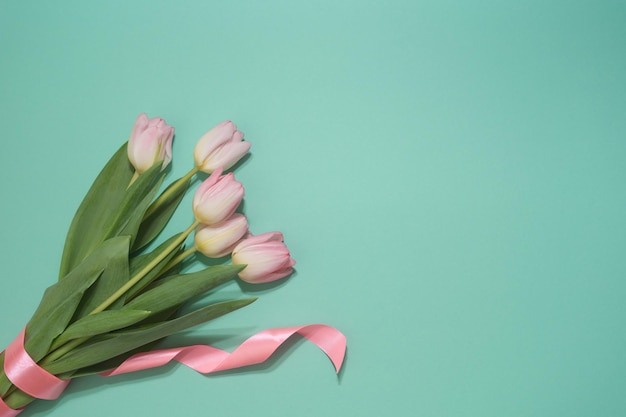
(217, 198)
(220, 147)
(219, 240)
(266, 256)
(150, 142)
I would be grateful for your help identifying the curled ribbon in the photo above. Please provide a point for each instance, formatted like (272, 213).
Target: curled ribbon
(30, 378)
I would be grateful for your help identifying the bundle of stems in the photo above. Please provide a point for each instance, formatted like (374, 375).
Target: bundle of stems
(119, 293)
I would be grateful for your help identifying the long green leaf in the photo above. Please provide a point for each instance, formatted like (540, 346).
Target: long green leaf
(180, 288)
(115, 275)
(110, 208)
(103, 322)
(113, 362)
(152, 319)
(159, 215)
(51, 318)
(19, 399)
(60, 301)
(5, 384)
(47, 323)
(110, 347)
(137, 263)
(116, 361)
(136, 201)
(96, 211)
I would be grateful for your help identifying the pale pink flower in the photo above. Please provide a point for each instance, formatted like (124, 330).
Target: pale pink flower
(266, 256)
(220, 147)
(217, 198)
(219, 240)
(150, 142)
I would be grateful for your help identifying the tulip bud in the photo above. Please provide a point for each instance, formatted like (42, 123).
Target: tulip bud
(266, 256)
(150, 141)
(217, 198)
(219, 240)
(220, 147)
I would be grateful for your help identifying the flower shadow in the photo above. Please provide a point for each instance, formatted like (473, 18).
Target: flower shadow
(247, 287)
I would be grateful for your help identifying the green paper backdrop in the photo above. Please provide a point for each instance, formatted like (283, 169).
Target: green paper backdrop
(449, 176)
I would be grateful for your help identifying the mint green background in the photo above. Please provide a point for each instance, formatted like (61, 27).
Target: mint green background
(448, 175)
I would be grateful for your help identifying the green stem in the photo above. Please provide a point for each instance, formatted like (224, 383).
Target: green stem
(134, 280)
(142, 273)
(133, 179)
(175, 261)
(169, 191)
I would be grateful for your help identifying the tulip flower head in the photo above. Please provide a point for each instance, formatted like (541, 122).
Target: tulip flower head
(219, 240)
(150, 142)
(266, 256)
(217, 198)
(220, 147)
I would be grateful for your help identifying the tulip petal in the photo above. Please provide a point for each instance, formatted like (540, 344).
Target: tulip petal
(219, 240)
(141, 123)
(266, 278)
(266, 258)
(218, 199)
(150, 141)
(262, 238)
(227, 155)
(206, 184)
(211, 140)
(222, 146)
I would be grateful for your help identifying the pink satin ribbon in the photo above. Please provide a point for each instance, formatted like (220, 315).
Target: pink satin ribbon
(257, 349)
(25, 374)
(37, 382)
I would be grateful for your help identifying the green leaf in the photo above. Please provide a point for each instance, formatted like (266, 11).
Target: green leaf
(110, 208)
(5, 384)
(55, 311)
(115, 275)
(160, 213)
(48, 323)
(180, 288)
(137, 263)
(19, 399)
(118, 343)
(60, 301)
(136, 201)
(103, 322)
(113, 362)
(117, 361)
(96, 211)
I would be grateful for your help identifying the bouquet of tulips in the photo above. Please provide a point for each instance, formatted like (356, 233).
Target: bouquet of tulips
(120, 292)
